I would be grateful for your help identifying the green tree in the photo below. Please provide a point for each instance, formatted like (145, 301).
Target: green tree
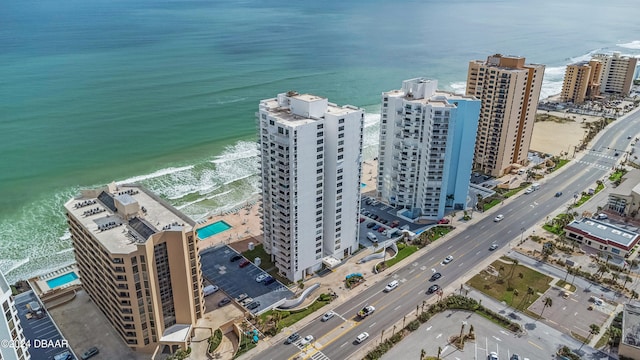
(627, 279)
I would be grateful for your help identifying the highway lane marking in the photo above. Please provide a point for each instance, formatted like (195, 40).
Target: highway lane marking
(438, 337)
(412, 270)
(509, 232)
(449, 247)
(370, 326)
(466, 237)
(532, 206)
(478, 252)
(482, 227)
(344, 344)
(497, 338)
(354, 325)
(429, 328)
(534, 344)
(431, 259)
(397, 307)
(504, 332)
(460, 264)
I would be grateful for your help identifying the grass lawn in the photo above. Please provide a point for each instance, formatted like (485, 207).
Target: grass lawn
(512, 192)
(511, 279)
(491, 204)
(266, 263)
(245, 345)
(562, 283)
(405, 252)
(290, 318)
(617, 175)
(561, 163)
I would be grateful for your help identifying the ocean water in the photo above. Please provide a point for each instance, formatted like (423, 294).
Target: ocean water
(164, 93)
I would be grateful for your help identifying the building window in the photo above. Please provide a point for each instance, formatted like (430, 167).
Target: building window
(340, 121)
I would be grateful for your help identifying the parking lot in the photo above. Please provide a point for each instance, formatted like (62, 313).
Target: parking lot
(46, 340)
(376, 213)
(234, 280)
(568, 314)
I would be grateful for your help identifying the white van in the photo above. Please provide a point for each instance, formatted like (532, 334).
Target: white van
(371, 236)
(209, 289)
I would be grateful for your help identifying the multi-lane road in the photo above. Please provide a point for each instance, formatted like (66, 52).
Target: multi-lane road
(335, 339)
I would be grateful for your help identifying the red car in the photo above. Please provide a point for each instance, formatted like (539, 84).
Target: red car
(443, 221)
(244, 263)
(361, 219)
(395, 223)
(381, 229)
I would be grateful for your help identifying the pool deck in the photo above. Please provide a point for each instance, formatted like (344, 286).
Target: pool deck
(40, 286)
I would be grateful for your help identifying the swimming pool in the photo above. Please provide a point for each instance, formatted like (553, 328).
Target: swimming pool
(62, 280)
(362, 185)
(212, 229)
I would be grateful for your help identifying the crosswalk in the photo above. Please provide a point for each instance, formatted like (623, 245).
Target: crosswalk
(597, 166)
(310, 351)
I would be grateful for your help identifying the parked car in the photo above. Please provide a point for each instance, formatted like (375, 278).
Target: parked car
(381, 229)
(209, 289)
(375, 227)
(447, 260)
(443, 221)
(244, 263)
(253, 305)
(66, 355)
(269, 280)
(370, 225)
(558, 194)
(529, 190)
(307, 340)
(392, 285)
(515, 357)
(395, 223)
(600, 216)
(493, 247)
(224, 301)
(328, 315)
(432, 289)
(366, 311)
(246, 301)
(261, 277)
(362, 219)
(362, 337)
(293, 337)
(235, 257)
(498, 218)
(93, 351)
(435, 276)
(241, 297)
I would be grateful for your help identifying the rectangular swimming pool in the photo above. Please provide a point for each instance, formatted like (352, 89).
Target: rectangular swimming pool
(212, 229)
(62, 280)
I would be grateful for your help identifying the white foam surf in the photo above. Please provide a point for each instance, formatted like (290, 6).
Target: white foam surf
(634, 45)
(159, 173)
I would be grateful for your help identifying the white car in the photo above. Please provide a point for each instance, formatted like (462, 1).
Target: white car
(493, 247)
(498, 218)
(392, 285)
(362, 337)
(529, 190)
(328, 315)
(307, 340)
(492, 356)
(261, 277)
(447, 260)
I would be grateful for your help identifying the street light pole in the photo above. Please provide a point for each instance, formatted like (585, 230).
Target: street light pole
(521, 234)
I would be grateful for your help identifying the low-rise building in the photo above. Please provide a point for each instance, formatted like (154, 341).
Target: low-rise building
(624, 200)
(601, 236)
(630, 341)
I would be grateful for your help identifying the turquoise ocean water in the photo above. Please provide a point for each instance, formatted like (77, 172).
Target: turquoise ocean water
(164, 93)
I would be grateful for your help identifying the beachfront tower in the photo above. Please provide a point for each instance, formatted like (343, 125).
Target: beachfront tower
(10, 328)
(426, 149)
(509, 90)
(311, 154)
(581, 82)
(138, 260)
(617, 73)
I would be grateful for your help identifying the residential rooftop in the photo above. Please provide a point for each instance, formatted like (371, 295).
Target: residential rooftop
(299, 109)
(121, 216)
(631, 325)
(629, 183)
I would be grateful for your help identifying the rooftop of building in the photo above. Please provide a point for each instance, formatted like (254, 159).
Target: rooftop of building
(605, 231)
(283, 112)
(101, 212)
(631, 325)
(423, 91)
(629, 183)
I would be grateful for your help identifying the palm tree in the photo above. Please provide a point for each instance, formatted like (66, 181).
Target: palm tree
(602, 269)
(593, 330)
(627, 279)
(423, 354)
(513, 265)
(439, 352)
(546, 302)
(615, 277)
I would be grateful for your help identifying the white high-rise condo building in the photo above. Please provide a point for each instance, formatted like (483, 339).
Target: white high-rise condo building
(15, 345)
(311, 154)
(426, 149)
(617, 73)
